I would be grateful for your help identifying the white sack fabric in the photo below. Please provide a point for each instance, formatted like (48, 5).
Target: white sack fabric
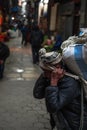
(75, 57)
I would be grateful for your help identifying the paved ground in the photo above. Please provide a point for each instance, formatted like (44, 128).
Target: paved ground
(18, 108)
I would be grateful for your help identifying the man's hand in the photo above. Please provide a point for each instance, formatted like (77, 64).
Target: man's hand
(57, 74)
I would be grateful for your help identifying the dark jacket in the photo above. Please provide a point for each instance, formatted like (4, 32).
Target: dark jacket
(58, 42)
(36, 37)
(24, 30)
(64, 99)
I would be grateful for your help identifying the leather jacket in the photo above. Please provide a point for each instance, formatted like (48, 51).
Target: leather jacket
(64, 100)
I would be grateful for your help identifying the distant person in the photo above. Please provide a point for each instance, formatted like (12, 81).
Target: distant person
(47, 41)
(24, 31)
(19, 28)
(36, 39)
(57, 41)
(4, 54)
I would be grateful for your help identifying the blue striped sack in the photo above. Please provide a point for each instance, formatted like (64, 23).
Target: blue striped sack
(75, 57)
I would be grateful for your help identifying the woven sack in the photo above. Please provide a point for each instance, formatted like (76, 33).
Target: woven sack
(75, 57)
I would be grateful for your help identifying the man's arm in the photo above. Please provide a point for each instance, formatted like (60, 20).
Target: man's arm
(39, 88)
(59, 96)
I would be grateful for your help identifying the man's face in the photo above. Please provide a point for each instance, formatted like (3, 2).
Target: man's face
(48, 73)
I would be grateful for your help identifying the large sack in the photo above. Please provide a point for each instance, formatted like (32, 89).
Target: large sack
(70, 41)
(75, 57)
(74, 40)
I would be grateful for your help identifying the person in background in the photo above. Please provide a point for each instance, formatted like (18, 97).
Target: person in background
(1, 69)
(4, 54)
(62, 93)
(24, 31)
(36, 39)
(19, 26)
(57, 41)
(47, 41)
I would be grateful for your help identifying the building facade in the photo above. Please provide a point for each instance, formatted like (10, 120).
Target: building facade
(64, 17)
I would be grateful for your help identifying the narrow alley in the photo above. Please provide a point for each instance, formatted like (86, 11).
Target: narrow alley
(18, 108)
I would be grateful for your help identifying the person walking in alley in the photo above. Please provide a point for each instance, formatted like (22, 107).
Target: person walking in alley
(57, 42)
(4, 54)
(62, 93)
(19, 26)
(24, 31)
(36, 39)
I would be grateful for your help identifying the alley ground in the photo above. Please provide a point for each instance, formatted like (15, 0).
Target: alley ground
(18, 108)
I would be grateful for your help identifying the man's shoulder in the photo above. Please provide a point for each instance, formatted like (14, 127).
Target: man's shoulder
(69, 81)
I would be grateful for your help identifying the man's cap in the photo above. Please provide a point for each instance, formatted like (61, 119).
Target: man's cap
(49, 59)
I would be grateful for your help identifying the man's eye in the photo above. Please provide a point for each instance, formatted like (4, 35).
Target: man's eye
(58, 67)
